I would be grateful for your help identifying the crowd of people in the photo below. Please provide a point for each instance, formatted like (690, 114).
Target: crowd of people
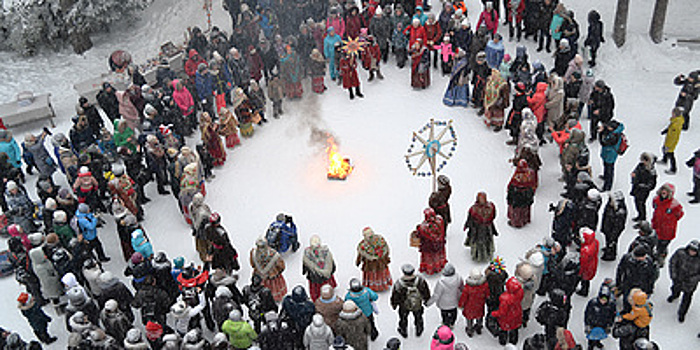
(58, 258)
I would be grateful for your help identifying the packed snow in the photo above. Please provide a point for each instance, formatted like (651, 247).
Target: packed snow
(281, 169)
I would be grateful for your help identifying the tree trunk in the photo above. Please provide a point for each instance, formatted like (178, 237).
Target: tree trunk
(658, 19)
(620, 30)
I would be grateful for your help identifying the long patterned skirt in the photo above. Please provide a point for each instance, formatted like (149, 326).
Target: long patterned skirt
(457, 95)
(315, 288)
(294, 90)
(377, 281)
(246, 129)
(232, 140)
(432, 261)
(518, 216)
(277, 285)
(318, 86)
(494, 117)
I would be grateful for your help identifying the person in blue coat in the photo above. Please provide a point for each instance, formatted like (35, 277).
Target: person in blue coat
(494, 52)
(141, 244)
(9, 146)
(329, 51)
(204, 82)
(610, 138)
(282, 234)
(363, 297)
(420, 15)
(87, 223)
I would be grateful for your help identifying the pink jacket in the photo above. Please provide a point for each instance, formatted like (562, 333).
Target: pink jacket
(128, 110)
(445, 51)
(182, 98)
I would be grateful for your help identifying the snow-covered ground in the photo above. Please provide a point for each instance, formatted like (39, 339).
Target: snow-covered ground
(281, 170)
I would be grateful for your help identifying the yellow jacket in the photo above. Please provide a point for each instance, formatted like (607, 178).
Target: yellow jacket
(641, 310)
(673, 133)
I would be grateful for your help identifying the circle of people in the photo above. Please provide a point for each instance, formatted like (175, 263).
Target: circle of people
(56, 254)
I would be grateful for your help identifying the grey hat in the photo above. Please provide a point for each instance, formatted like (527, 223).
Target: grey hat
(449, 270)
(408, 269)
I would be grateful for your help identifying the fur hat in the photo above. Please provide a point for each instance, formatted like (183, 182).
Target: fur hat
(50, 204)
(349, 306)
(111, 305)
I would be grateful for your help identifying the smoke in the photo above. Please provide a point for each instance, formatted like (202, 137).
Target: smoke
(311, 120)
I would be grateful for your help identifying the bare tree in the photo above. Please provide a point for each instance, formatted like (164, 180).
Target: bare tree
(621, 14)
(656, 31)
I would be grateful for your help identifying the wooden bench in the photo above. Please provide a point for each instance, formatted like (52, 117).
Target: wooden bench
(27, 108)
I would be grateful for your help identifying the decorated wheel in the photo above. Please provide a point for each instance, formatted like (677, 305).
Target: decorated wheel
(431, 148)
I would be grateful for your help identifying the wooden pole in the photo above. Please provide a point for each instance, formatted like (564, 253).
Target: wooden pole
(658, 19)
(620, 29)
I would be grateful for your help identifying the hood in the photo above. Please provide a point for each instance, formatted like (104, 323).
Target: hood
(639, 298)
(475, 281)
(513, 286)
(320, 332)
(351, 315)
(541, 87)
(588, 236)
(299, 294)
(444, 335)
(557, 84)
(520, 52)
(193, 53)
(69, 280)
(451, 282)
(593, 16)
(667, 186)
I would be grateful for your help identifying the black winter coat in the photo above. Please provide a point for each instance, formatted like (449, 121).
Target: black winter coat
(598, 314)
(587, 214)
(552, 316)
(633, 273)
(604, 103)
(644, 181)
(119, 292)
(36, 317)
(298, 312)
(259, 300)
(688, 94)
(400, 292)
(562, 225)
(649, 241)
(614, 218)
(561, 61)
(276, 335)
(153, 302)
(109, 103)
(595, 31)
(685, 270)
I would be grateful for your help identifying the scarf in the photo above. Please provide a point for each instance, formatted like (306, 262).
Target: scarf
(493, 88)
(319, 259)
(523, 177)
(483, 213)
(373, 247)
(264, 259)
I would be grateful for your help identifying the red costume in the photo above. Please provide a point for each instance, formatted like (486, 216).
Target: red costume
(192, 63)
(521, 194)
(414, 33)
(432, 243)
(510, 310)
(589, 255)
(420, 65)
(371, 56)
(122, 187)
(348, 69)
(256, 63)
(212, 141)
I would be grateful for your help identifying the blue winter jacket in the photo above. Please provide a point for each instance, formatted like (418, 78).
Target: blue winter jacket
(611, 144)
(329, 46)
(494, 53)
(142, 245)
(363, 299)
(287, 235)
(11, 148)
(204, 85)
(87, 224)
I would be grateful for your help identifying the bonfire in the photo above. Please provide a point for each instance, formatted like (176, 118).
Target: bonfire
(338, 167)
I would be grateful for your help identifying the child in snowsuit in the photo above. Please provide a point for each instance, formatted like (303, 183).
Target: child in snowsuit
(473, 300)
(640, 316)
(399, 44)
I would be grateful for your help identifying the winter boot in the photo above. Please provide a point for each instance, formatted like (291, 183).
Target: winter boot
(371, 75)
(379, 74)
(358, 93)
(352, 95)
(608, 254)
(512, 142)
(402, 331)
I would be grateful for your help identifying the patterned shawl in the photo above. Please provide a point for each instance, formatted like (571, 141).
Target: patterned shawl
(373, 247)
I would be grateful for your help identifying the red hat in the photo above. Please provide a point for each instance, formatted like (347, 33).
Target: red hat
(23, 298)
(152, 326)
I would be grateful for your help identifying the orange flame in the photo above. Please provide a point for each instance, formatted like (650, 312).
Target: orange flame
(338, 167)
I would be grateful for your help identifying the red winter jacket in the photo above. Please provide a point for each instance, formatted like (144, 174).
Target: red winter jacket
(510, 310)
(473, 298)
(589, 255)
(433, 34)
(518, 12)
(537, 101)
(667, 212)
(193, 62)
(353, 24)
(414, 33)
(490, 20)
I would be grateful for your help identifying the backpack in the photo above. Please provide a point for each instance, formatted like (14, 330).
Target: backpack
(414, 300)
(624, 144)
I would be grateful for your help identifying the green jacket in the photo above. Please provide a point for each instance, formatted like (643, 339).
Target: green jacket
(240, 333)
(65, 233)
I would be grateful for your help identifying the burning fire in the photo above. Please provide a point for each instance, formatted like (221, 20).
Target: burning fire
(338, 167)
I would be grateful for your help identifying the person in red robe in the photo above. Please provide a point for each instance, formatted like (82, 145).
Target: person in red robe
(431, 233)
(420, 65)
(212, 140)
(371, 58)
(521, 194)
(348, 69)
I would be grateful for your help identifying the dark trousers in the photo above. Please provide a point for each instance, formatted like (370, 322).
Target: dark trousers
(593, 130)
(671, 158)
(696, 187)
(401, 56)
(276, 108)
(417, 318)
(449, 317)
(640, 202)
(608, 174)
(662, 250)
(594, 54)
(676, 291)
(515, 27)
(508, 337)
(96, 245)
(543, 34)
(374, 333)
